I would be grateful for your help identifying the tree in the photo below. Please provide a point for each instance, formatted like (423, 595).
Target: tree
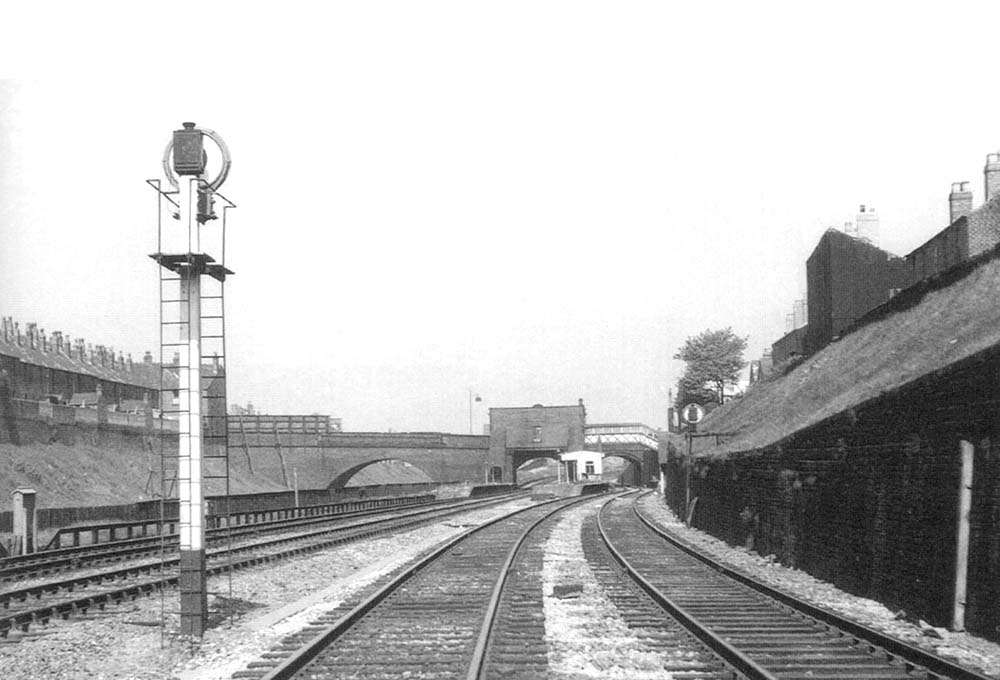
(693, 391)
(714, 359)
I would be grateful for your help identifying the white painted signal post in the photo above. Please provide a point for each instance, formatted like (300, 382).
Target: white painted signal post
(192, 352)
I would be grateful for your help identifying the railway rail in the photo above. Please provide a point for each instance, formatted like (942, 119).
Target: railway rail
(462, 611)
(45, 563)
(63, 598)
(763, 632)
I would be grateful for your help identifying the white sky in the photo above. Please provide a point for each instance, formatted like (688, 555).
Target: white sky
(537, 201)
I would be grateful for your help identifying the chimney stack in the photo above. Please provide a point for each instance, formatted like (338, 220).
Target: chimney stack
(867, 222)
(959, 201)
(992, 176)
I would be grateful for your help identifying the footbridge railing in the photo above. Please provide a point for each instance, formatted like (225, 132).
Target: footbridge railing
(621, 433)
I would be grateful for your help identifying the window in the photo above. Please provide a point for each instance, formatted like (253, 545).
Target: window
(537, 439)
(588, 467)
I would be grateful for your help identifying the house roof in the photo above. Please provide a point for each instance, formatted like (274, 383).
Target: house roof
(139, 374)
(928, 328)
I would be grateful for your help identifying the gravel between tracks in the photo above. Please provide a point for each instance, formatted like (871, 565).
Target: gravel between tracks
(968, 650)
(124, 642)
(585, 634)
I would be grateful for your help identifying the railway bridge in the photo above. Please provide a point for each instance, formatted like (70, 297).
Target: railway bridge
(304, 449)
(307, 451)
(521, 434)
(635, 442)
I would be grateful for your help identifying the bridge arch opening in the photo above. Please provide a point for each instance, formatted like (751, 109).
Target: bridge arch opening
(623, 469)
(381, 471)
(538, 469)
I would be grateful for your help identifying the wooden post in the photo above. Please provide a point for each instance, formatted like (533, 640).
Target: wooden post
(687, 477)
(962, 536)
(281, 456)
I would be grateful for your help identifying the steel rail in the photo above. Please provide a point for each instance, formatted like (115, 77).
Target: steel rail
(308, 652)
(893, 647)
(729, 654)
(22, 594)
(22, 620)
(26, 566)
(489, 619)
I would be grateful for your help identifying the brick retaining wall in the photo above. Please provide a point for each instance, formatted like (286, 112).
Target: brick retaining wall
(868, 500)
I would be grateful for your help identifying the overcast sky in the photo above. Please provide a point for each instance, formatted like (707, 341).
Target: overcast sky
(535, 201)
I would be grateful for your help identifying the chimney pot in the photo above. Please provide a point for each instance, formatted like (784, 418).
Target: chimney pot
(991, 175)
(959, 201)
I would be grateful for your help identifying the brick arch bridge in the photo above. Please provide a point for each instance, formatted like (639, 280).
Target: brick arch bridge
(635, 442)
(330, 460)
(520, 434)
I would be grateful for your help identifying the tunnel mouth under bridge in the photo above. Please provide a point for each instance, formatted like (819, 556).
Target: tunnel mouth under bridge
(381, 471)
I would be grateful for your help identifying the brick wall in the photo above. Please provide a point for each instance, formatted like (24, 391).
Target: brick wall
(791, 343)
(967, 237)
(984, 227)
(846, 278)
(868, 499)
(946, 249)
(519, 434)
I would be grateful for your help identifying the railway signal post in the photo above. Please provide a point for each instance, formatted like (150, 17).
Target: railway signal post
(182, 331)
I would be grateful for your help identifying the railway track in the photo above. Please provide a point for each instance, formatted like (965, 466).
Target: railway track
(682, 654)
(764, 633)
(24, 606)
(48, 562)
(469, 609)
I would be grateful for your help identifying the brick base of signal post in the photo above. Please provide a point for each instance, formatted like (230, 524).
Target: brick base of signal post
(194, 592)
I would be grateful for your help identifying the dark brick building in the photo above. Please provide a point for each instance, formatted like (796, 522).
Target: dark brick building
(970, 233)
(846, 277)
(789, 345)
(520, 434)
